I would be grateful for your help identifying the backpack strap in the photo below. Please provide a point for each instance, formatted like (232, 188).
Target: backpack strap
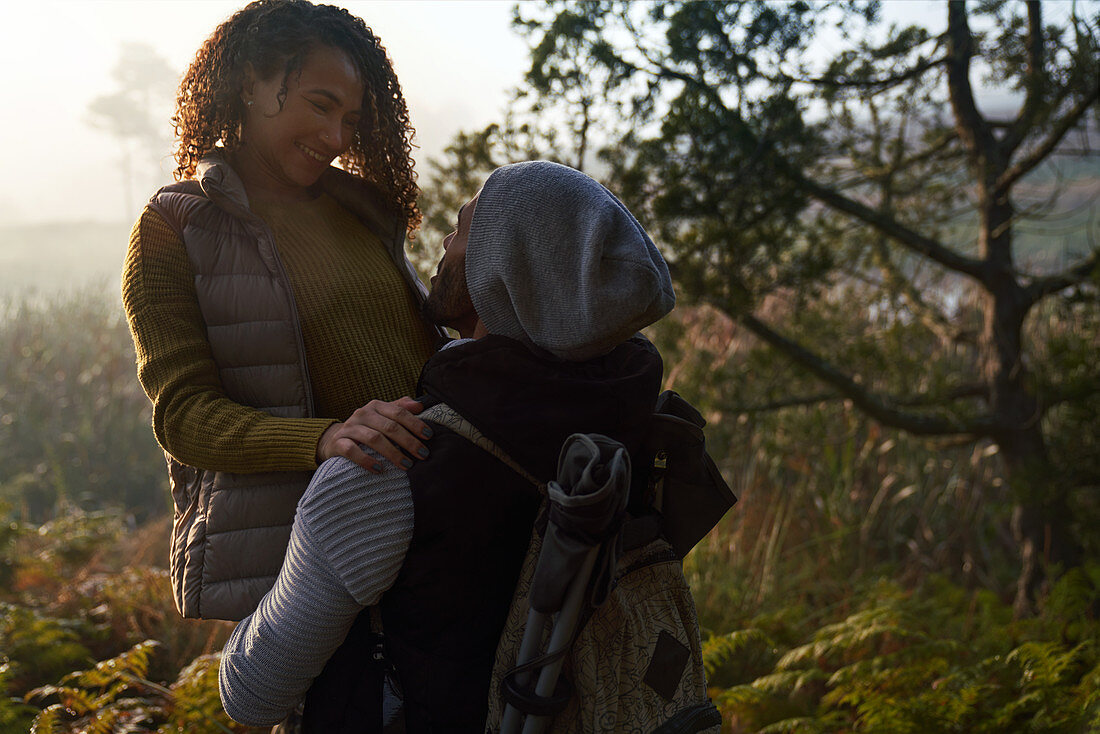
(448, 417)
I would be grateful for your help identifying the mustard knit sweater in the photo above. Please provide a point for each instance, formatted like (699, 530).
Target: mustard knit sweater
(364, 338)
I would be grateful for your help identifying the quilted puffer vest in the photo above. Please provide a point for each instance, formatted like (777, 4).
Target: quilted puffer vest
(230, 531)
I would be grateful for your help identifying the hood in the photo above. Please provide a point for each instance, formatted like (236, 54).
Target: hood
(554, 260)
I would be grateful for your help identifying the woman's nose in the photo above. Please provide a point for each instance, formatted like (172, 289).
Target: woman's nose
(336, 136)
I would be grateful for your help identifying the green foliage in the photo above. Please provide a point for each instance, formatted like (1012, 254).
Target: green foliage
(934, 659)
(116, 695)
(83, 587)
(38, 648)
(74, 422)
(14, 714)
(195, 696)
(737, 657)
(93, 700)
(863, 218)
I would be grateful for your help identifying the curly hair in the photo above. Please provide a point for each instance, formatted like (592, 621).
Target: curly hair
(277, 35)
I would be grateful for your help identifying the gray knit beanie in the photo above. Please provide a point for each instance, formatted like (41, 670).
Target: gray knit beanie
(553, 259)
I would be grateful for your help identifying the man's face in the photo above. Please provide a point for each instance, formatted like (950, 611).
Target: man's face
(449, 302)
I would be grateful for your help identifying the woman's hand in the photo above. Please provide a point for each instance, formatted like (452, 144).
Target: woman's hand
(385, 427)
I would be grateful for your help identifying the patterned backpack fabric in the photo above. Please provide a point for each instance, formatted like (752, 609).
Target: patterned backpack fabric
(636, 662)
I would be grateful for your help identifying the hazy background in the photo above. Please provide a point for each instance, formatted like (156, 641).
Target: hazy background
(65, 206)
(873, 575)
(66, 199)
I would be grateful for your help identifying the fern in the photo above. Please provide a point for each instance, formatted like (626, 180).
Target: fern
(49, 721)
(754, 708)
(794, 725)
(14, 714)
(91, 700)
(737, 657)
(917, 662)
(195, 695)
(790, 682)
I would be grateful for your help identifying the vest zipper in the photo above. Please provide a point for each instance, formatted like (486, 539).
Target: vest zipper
(408, 272)
(266, 237)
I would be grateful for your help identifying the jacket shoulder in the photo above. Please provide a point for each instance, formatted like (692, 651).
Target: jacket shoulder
(177, 202)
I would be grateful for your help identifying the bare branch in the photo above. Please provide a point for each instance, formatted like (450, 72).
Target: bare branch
(1044, 286)
(969, 123)
(877, 407)
(925, 399)
(882, 84)
(1046, 148)
(1031, 112)
(889, 226)
(797, 402)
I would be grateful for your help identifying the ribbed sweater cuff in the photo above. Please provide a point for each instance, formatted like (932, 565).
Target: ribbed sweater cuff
(293, 447)
(275, 653)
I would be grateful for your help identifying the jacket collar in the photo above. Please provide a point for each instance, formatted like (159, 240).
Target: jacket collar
(221, 184)
(528, 404)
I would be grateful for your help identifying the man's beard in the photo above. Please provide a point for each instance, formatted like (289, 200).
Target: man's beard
(449, 300)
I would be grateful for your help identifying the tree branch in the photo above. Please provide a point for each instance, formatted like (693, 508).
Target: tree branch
(889, 226)
(914, 241)
(969, 123)
(1040, 153)
(925, 399)
(1033, 81)
(931, 316)
(796, 402)
(878, 408)
(1044, 286)
(884, 83)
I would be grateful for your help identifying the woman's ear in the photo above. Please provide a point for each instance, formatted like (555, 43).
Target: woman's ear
(248, 85)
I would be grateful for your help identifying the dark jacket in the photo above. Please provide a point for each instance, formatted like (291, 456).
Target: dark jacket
(473, 518)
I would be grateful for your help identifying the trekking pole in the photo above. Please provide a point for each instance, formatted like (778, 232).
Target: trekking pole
(528, 649)
(586, 506)
(561, 636)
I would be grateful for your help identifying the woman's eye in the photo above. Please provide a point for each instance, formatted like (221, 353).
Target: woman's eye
(318, 107)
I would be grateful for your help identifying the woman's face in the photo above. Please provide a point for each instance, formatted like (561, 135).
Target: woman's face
(292, 147)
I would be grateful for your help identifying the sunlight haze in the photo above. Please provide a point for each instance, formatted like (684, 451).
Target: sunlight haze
(455, 61)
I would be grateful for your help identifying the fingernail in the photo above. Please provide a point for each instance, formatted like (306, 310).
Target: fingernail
(423, 452)
(427, 432)
(407, 463)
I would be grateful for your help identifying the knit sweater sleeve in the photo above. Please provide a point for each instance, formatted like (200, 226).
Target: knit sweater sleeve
(348, 542)
(193, 419)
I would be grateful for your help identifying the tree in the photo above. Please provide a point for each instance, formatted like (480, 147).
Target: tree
(472, 156)
(876, 174)
(137, 113)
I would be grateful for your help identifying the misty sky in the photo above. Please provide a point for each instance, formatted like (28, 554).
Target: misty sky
(455, 61)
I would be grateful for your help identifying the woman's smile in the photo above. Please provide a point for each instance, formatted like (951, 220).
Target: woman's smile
(321, 103)
(313, 154)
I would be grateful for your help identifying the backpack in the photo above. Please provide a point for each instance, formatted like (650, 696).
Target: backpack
(635, 662)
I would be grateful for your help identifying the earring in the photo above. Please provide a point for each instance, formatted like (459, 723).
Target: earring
(249, 103)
